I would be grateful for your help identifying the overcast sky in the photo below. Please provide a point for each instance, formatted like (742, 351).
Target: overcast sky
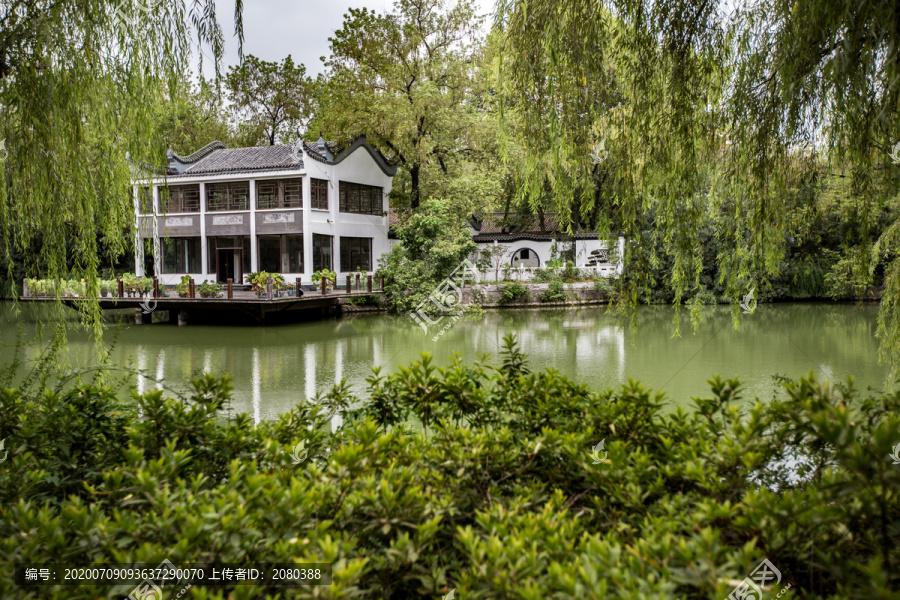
(275, 28)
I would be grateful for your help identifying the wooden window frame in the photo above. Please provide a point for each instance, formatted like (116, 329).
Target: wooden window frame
(287, 193)
(317, 189)
(360, 199)
(180, 199)
(236, 196)
(347, 245)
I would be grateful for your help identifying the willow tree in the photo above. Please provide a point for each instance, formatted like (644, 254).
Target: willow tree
(79, 82)
(711, 115)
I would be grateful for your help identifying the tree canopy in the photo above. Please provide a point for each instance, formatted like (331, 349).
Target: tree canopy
(711, 115)
(406, 80)
(273, 99)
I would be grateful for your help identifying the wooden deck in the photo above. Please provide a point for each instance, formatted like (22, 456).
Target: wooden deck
(221, 310)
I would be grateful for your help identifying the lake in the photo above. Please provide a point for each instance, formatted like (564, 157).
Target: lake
(275, 367)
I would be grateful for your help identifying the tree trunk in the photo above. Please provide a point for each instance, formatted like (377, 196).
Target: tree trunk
(414, 187)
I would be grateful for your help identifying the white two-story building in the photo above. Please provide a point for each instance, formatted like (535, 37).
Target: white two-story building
(291, 209)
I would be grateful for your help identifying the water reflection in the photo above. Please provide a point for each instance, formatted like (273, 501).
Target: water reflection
(274, 368)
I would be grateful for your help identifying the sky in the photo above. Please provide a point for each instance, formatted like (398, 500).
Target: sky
(275, 28)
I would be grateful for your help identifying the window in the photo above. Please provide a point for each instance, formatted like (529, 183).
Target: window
(228, 196)
(181, 255)
(280, 253)
(180, 198)
(525, 257)
(318, 193)
(145, 200)
(292, 257)
(269, 253)
(213, 243)
(356, 253)
(279, 193)
(322, 246)
(359, 198)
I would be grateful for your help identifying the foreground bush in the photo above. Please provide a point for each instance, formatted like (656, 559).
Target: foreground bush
(497, 496)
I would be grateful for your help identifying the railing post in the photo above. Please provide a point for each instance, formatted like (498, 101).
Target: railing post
(120, 288)
(156, 287)
(348, 284)
(298, 287)
(270, 291)
(192, 291)
(25, 287)
(357, 282)
(230, 288)
(382, 282)
(369, 284)
(324, 283)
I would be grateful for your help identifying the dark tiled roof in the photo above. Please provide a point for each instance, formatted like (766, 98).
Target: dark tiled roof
(535, 236)
(325, 154)
(240, 160)
(216, 159)
(196, 155)
(494, 226)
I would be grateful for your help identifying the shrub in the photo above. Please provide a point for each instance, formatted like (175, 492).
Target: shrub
(512, 292)
(505, 476)
(554, 292)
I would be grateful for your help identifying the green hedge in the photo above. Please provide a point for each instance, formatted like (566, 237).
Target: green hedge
(472, 477)
(512, 292)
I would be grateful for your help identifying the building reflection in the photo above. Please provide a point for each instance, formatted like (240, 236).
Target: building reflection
(277, 369)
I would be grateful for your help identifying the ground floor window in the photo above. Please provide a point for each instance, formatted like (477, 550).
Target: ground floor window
(356, 254)
(241, 245)
(181, 255)
(525, 256)
(280, 253)
(322, 252)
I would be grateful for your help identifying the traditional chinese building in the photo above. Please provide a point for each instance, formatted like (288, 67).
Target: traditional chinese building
(532, 241)
(291, 209)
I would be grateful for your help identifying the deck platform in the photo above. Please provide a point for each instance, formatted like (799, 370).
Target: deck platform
(242, 306)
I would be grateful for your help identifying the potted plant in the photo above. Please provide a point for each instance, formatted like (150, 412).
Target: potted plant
(128, 283)
(326, 275)
(257, 280)
(184, 286)
(277, 283)
(210, 289)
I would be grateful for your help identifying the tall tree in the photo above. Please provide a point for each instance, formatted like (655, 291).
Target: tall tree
(405, 79)
(79, 80)
(271, 98)
(192, 116)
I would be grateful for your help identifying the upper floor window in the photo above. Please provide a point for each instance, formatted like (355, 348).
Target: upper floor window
(180, 198)
(279, 193)
(145, 200)
(228, 196)
(359, 198)
(318, 193)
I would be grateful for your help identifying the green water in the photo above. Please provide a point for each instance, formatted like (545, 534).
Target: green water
(275, 367)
